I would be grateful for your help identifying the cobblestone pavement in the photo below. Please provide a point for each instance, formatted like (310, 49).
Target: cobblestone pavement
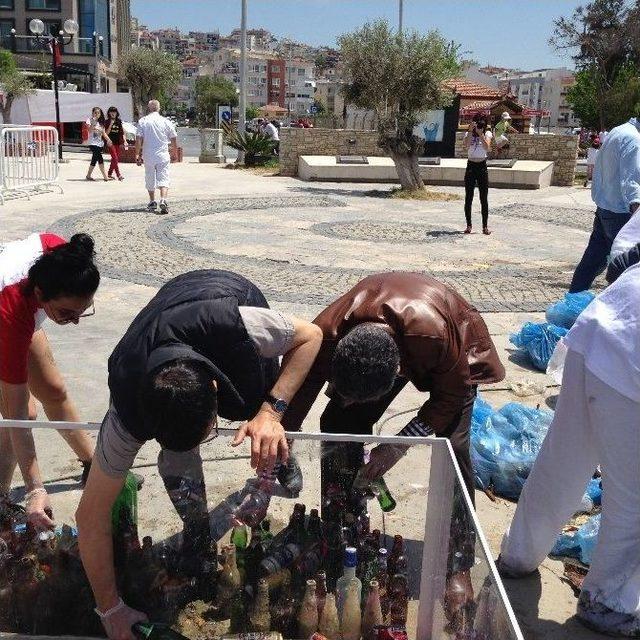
(279, 243)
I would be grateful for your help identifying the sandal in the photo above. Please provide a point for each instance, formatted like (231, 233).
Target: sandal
(486, 231)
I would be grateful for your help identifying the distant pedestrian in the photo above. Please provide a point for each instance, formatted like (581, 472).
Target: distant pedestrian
(155, 134)
(592, 152)
(501, 129)
(271, 130)
(97, 139)
(616, 193)
(115, 133)
(477, 141)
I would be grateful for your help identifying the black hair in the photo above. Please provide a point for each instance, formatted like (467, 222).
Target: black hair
(117, 119)
(66, 270)
(365, 363)
(178, 403)
(481, 124)
(101, 119)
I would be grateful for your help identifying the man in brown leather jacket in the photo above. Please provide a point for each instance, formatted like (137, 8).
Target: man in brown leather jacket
(391, 329)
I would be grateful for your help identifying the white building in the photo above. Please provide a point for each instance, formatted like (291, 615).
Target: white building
(544, 90)
(301, 86)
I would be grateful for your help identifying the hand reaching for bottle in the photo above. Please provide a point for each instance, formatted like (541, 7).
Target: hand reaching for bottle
(381, 459)
(39, 511)
(118, 623)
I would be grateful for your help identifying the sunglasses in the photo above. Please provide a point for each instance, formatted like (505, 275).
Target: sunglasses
(65, 316)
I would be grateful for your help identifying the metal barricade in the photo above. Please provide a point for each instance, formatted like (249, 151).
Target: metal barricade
(28, 160)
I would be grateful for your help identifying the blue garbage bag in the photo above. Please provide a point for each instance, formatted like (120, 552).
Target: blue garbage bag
(538, 340)
(565, 312)
(581, 544)
(505, 444)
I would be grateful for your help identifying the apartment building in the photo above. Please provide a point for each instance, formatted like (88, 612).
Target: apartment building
(81, 66)
(300, 85)
(329, 93)
(543, 90)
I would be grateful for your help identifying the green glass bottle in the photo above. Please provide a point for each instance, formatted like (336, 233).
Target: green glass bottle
(155, 631)
(382, 493)
(127, 499)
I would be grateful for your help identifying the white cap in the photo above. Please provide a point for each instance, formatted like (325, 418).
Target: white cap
(506, 116)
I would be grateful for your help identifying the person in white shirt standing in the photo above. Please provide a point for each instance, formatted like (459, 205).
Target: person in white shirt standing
(155, 134)
(597, 421)
(271, 130)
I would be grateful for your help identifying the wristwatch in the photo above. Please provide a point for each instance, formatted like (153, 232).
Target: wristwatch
(277, 404)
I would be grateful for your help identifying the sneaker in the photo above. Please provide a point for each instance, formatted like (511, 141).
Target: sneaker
(164, 208)
(290, 477)
(152, 206)
(598, 617)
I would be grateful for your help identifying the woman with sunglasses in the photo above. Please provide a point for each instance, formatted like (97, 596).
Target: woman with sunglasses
(97, 139)
(42, 276)
(115, 133)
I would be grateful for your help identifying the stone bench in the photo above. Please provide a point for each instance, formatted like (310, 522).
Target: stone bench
(525, 174)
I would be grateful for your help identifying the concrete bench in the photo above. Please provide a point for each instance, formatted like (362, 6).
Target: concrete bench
(525, 174)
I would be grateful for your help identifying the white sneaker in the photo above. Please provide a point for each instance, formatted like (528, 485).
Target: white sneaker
(164, 207)
(152, 206)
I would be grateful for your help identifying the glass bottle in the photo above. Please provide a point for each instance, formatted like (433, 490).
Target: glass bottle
(351, 621)
(308, 614)
(348, 577)
(396, 551)
(372, 612)
(280, 559)
(329, 626)
(383, 581)
(321, 590)
(381, 492)
(314, 527)
(398, 600)
(240, 540)
(259, 616)
(229, 580)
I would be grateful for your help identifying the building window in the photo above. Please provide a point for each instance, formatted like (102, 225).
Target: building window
(6, 4)
(90, 22)
(46, 5)
(6, 40)
(275, 68)
(301, 72)
(275, 82)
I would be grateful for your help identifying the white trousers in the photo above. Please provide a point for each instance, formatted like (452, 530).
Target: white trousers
(593, 424)
(156, 174)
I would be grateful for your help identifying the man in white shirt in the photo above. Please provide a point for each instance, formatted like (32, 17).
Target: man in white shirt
(597, 421)
(155, 134)
(271, 130)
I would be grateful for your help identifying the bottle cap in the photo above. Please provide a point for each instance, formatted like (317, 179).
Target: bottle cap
(350, 557)
(382, 552)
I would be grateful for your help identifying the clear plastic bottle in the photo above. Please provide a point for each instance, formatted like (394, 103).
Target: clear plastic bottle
(348, 577)
(351, 620)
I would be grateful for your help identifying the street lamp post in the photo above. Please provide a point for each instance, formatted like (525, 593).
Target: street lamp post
(56, 43)
(97, 50)
(400, 8)
(243, 69)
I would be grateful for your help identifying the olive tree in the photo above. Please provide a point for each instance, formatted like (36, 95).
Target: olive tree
(398, 76)
(150, 74)
(12, 83)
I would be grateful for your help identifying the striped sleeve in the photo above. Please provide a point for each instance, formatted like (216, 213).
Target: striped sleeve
(416, 429)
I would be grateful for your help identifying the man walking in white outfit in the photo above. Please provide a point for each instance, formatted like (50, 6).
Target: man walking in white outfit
(597, 421)
(155, 134)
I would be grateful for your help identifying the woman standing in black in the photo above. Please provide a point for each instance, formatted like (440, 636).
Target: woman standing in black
(115, 132)
(97, 140)
(477, 142)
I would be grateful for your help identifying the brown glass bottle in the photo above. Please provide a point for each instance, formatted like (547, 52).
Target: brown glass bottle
(259, 616)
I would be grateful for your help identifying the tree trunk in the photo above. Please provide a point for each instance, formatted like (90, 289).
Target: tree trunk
(408, 171)
(6, 109)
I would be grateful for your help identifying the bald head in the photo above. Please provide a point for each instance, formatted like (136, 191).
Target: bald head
(153, 105)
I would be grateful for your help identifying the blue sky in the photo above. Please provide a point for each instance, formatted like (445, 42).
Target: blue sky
(500, 32)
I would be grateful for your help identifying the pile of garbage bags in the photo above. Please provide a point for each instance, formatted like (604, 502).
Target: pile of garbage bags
(578, 545)
(505, 444)
(540, 339)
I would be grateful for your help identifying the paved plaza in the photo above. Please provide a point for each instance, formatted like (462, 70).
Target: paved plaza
(305, 244)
